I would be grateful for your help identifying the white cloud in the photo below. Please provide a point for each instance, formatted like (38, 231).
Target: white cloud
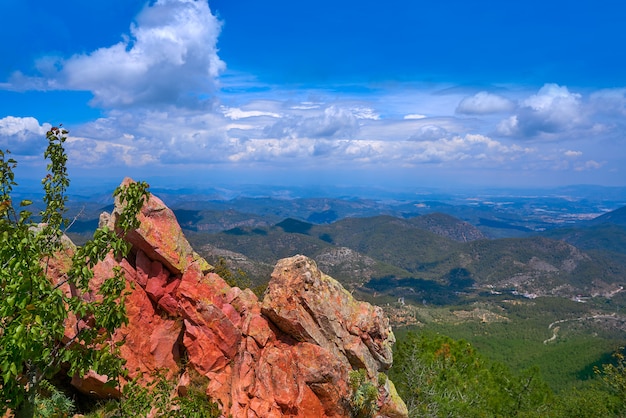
(553, 97)
(508, 126)
(573, 154)
(87, 151)
(329, 136)
(170, 57)
(236, 113)
(23, 136)
(240, 126)
(361, 112)
(609, 102)
(484, 103)
(589, 165)
(553, 110)
(22, 127)
(468, 147)
(348, 151)
(306, 106)
(333, 122)
(308, 130)
(429, 133)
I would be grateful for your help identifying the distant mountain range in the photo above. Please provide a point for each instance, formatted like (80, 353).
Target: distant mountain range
(604, 233)
(433, 250)
(426, 257)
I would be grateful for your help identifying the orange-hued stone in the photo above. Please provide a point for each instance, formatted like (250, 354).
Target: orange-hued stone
(288, 355)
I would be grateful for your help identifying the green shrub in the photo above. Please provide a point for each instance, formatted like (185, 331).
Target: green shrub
(437, 376)
(160, 400)
(364, 399)
(52, 403)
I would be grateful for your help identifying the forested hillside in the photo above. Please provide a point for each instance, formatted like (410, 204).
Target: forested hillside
(401, 255)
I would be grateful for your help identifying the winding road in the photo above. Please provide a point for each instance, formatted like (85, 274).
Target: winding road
(555, 331)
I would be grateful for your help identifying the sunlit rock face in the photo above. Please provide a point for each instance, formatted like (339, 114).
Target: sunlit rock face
(287, 355)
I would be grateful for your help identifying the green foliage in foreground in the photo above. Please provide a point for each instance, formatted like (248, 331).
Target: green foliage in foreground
(614, 375)
(438, 376)
(51, 402)
(157, 400)
(33, 310)
(441, 377)
(363, 402)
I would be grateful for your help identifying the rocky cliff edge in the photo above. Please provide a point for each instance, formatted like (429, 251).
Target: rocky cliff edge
(287, 355)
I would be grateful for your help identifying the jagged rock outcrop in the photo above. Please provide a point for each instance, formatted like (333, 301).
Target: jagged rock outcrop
(288, 355)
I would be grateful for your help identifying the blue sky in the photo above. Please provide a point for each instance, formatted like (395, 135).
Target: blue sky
(403, 94)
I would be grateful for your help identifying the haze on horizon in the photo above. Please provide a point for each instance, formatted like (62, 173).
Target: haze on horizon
(405, 94)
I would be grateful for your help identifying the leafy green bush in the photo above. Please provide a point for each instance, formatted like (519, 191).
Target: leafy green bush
(441, 377)
(33, 309)
(159, 399)
(589, 402)
(364, 399)
(614, 376)
(52, 403)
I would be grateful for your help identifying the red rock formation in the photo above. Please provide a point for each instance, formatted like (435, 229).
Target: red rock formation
(288, 355)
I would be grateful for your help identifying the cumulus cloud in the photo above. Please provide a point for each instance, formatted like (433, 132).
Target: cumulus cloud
(23, 136)
(151, 137)
(278, 130)
(469, 147)
(333, 122)
(508, 126)
(554, 109)
(87, 151)
(170, 57)
(484, 103)
(330, 135)
(272, 132)
(21, 127)
(254, 132)
(429, 133)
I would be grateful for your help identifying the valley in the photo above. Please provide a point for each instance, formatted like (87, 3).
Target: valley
(531, 280)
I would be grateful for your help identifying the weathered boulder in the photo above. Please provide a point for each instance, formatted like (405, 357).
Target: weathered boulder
(159, 236)
(313, 307)
(289, 355)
